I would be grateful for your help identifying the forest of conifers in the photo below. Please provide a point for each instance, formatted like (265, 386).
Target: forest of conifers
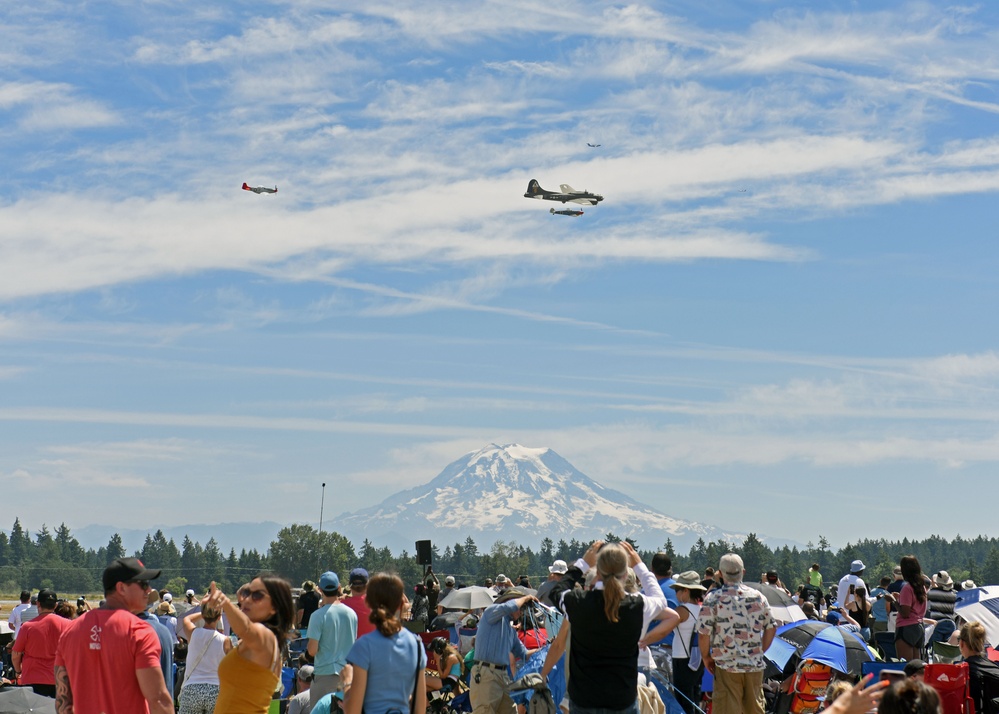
(56, 559)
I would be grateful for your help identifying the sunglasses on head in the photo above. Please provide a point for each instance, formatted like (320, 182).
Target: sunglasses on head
(255, 595)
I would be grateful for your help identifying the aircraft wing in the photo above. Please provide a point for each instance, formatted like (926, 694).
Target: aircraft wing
(566, 188)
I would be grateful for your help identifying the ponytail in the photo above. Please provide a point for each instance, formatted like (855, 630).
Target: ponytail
(611, 563)
(384, 597)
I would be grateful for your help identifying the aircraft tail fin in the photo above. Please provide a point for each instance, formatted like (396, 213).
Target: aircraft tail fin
(534, 189)
(552, 211)
(245, 186)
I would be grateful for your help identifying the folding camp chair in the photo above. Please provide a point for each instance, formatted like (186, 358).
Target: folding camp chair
(942, 652)
(952, 684)
(876, 668)
(885, 642)
(296, 648)
(942, 632)
(427, 638)
(466, 639)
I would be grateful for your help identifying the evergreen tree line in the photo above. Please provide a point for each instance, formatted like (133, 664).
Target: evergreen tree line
(299, 552)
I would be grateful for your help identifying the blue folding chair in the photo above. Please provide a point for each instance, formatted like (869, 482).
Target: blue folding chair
(876, 668)
(885, 642)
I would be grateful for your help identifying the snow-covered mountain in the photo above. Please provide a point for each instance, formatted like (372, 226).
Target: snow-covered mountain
(520, 494)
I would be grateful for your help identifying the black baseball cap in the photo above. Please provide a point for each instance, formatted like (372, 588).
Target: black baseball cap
(47, 598)
(123, 570)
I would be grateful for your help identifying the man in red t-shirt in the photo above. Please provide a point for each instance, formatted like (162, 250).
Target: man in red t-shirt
(108, 660)
(358, 587)
(34, 650)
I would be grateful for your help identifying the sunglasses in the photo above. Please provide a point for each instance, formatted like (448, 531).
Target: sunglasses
(254, 595)
(144, 584)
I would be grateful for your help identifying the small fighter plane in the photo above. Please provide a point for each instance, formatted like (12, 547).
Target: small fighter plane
(259, 189)
(593, 146)
(567, 212)
(568, 193)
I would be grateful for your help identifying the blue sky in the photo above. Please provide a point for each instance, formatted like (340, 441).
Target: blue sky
(784, 306)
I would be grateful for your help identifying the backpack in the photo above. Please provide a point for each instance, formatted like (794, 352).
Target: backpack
(809, 686)
(541, 701)
(694, 661)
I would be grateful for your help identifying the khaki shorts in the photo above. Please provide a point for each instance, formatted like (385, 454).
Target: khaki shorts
(737, 692)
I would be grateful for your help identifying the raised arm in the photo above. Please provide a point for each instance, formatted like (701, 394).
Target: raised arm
(556, 650)
(670, 620)
(257, 643)
(186, 623)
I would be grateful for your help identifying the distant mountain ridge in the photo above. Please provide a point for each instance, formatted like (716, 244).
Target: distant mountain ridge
(521, 494)
(252, 536)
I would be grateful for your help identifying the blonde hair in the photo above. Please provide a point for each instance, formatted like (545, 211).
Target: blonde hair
(612, 563)
(973, 635)
(835, 689)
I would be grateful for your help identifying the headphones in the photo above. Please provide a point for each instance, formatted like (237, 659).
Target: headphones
(438, 645)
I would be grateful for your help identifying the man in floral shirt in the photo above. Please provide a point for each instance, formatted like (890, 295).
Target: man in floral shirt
(734, 629)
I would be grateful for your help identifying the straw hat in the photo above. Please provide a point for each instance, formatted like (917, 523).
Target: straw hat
(690, 580)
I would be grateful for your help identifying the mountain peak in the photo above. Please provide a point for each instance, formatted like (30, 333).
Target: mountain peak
(519, 493)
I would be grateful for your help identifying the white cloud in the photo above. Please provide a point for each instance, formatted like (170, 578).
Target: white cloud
(49, 106)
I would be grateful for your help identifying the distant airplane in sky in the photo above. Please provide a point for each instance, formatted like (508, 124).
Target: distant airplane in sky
(534, 190)
(259, 189)
(593, 146)
(568, 212)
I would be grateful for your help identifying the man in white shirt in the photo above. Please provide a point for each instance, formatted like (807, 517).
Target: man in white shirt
(857, 568)
(14, 621)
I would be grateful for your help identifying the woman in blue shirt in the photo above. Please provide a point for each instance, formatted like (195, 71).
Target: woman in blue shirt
(386, 666)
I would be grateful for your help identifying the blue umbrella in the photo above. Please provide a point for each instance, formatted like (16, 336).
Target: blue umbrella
(842, 650)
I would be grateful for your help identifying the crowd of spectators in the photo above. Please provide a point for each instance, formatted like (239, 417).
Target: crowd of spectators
(623, 625)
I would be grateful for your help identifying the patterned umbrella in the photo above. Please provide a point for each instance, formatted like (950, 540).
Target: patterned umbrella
(842, 650)
(981, 605)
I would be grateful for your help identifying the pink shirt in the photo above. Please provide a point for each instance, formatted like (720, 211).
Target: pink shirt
(917, 609)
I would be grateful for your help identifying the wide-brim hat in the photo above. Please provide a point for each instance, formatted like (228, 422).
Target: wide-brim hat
(943, 580)
(510, 594)
(689, 580)
(165, 608)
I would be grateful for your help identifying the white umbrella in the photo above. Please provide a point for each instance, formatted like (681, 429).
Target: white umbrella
(470, 598)
(981, 605)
